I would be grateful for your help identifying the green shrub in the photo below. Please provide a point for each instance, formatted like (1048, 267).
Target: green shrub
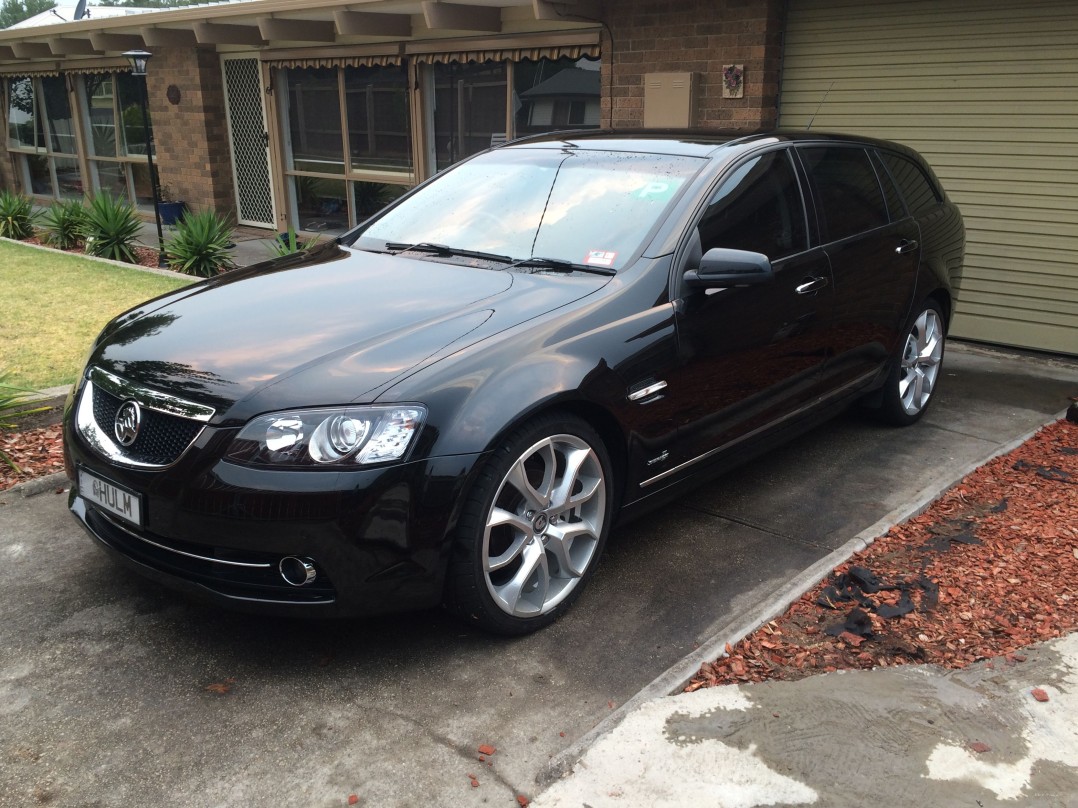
(17, 216)
(289, 244)
(200, 244)
(111, 227)
(64, 224)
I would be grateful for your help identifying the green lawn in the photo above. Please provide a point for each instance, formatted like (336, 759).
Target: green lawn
(52, 305)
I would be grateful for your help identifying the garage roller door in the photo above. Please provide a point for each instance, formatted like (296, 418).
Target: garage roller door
(988, 92)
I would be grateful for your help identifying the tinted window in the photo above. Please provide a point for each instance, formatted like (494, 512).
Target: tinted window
(847, 190)
(920, 193)
(759, 208)
(895, 206)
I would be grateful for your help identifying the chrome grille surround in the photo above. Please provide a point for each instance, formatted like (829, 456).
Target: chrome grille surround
(170, 425)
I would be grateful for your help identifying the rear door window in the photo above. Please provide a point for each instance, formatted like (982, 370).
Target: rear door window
(849, 199)
(759, 208)
(920, 193)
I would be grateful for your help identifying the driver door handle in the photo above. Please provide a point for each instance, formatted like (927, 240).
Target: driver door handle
(810, 285)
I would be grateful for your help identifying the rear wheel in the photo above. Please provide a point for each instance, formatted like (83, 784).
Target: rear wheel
(915, 375)
(533, 528)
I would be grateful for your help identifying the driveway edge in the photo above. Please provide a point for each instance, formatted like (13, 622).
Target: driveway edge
(39, 485)
(674, 678)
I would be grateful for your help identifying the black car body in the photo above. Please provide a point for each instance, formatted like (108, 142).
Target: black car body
(619, 313)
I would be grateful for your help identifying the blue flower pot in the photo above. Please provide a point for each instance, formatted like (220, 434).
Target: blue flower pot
(171, 212)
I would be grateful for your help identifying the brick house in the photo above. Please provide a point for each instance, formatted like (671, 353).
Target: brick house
(312, 115)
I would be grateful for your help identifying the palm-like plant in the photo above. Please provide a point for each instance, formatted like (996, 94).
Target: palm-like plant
(200, 245)
(111, 227)
(64, 224)
(17, 215)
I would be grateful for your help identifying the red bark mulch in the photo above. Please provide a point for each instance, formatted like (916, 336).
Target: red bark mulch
(35, 453)
(147, 256)
(990, 567)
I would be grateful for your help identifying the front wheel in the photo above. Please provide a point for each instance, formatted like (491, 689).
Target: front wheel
(915, 375)
(533, 528)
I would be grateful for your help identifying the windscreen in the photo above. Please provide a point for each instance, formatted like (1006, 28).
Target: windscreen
(586, 207)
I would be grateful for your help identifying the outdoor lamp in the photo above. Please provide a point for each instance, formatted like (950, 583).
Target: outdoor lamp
(138, 60)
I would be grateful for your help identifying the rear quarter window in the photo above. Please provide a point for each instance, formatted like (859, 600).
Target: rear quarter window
(920, 193)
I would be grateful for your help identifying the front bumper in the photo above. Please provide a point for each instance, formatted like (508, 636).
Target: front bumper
(217, 530)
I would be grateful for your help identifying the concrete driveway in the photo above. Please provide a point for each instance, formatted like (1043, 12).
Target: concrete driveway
(114, 692)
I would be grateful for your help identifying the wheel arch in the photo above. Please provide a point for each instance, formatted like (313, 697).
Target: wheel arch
(595, 415)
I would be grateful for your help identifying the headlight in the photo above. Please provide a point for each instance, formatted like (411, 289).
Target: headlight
(335, 437)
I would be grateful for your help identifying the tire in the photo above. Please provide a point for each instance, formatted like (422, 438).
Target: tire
(914, 376)
(533, 528)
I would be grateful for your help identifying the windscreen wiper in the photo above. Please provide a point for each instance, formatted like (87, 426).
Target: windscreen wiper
(559, 265)
(444, 251)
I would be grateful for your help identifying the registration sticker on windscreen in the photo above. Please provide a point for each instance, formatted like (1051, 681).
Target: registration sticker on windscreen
(600, 258)
(115, 499)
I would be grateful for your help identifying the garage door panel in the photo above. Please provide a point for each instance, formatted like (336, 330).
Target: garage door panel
(851, 13)
(1023, 275)
(847, 116)
(987, 92)
(1034, 248)
(1036, 219)
(974, 54)
(1027, 100)
(982, 307)
(984, 292)
(1041, 336)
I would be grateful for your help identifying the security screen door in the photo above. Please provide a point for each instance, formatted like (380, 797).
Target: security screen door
(250, 141)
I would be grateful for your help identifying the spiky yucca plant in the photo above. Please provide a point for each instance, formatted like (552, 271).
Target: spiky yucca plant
(200, 245)
(289, 244)
(63, 224)
(111, 228)
(17, 215)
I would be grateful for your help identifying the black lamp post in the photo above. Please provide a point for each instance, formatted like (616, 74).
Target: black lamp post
(138, 60)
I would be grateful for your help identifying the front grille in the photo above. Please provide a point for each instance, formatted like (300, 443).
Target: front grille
(167, 427)
(161, 439)
(251, 575)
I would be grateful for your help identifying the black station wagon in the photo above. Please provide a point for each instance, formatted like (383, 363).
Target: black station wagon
(455, 401)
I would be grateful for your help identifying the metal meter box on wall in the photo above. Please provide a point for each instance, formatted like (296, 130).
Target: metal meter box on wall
(669, 100)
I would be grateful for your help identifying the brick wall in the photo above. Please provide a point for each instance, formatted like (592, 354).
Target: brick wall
(193, 156)
(699, 36)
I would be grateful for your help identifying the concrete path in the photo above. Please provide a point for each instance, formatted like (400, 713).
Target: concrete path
(898, 736)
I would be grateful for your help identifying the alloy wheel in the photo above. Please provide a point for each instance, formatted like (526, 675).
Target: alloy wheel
(921, 362)
(543, 530)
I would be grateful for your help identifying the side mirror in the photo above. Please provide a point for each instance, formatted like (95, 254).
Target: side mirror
(722, 267)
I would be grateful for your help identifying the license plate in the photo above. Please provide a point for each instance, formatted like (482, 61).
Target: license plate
(110, 497)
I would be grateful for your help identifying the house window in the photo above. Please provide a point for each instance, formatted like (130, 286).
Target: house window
(469, 109)
(552, 94)
(343, 164)
(379, 129)
(117, 136)
(41, 137)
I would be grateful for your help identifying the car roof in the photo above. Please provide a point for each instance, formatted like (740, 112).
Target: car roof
(688, 142)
